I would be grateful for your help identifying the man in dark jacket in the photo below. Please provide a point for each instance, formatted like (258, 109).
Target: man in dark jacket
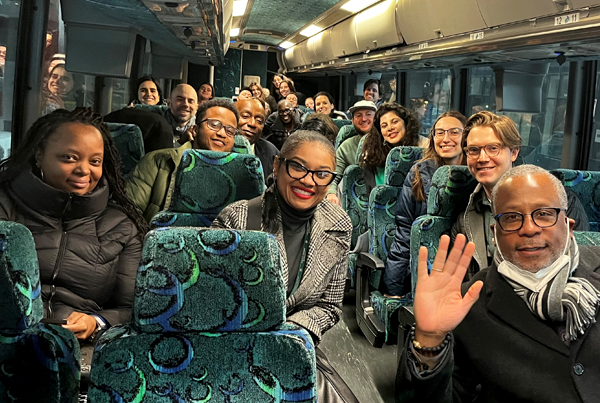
(281, 124)
(251, 124)
(156, 131)
(525, 329)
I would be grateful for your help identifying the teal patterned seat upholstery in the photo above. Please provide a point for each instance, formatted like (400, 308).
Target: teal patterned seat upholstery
(208, 325)
(129, 142)
(206, 182)
(451, 187)
(241, 145)
(160, 109)
(379, 327)
(342, 122)
(587, 238)
(346, 131)
(39, 363)
(586, 185)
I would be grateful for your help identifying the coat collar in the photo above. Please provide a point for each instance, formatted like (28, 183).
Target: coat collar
(511, 309)
(474, 223)
(48, 201)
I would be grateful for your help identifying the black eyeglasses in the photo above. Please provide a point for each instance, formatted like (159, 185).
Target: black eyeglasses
(543, 217)
(454, 132)
(216, 125)
(298, 171)
(286, 111)
(492, 150)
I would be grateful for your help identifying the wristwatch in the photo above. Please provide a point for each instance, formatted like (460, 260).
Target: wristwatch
(100, 325)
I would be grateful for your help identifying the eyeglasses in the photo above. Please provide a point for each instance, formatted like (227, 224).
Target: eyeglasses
(492, 150)
(543, 217)
(298, 171)
(286, 111)
(216, 125)
(454, 132)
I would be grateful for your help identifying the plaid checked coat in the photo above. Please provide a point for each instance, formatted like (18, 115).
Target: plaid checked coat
(316, 305)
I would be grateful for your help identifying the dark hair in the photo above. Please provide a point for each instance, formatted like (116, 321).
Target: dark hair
(247, 89)
(431, 154)
(290, 84)
(375, 149)
(221, 102)
(322, 123)
(212, 90)
(37, 139)
(292, 143)
(293, 93)
(325, 94)
(374, 81)
(143, 80)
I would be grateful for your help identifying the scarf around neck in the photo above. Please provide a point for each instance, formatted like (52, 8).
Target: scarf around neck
(553, 293)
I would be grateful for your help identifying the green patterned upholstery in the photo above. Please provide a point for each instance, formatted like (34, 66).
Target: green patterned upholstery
(381, 224)
(586, 185)
(129, 142)
(31, 354)
(451, 187)
(160, 109)
(208, 325)
(347, 130)
(355, 200)
(194, 264)
(206, 182)
(241, 145)
(587, 238)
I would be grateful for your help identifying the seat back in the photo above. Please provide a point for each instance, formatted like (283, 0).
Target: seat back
(28, 349)
(206, 182)
(129, 142)
(587, 238)
(451, 187)
(160, 109)
(383, 202)
(342, 122)
(345, 133)
(208, 324)
(241, 145)
(586, 185)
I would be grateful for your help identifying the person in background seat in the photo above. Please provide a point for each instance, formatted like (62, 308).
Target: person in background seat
(310, 103)
(293, 99)
(324, 104)
(261, 93)
(282, 123)
(523, 330)
(445, 148)
(363, 113)
(319, 122)
(245, 93)
(64, 185)
(492, 143)
(206, 92)
(372, 91)
(148, 92)
(251, 123)
(151, 183)
(181, 114)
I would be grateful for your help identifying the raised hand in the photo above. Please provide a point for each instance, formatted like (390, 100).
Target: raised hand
(333, 198)
(439, 305)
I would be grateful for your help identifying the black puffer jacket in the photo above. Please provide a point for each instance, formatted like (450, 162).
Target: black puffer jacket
(88, 249)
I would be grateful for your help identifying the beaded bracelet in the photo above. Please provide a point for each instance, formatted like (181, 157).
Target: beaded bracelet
(417, 346)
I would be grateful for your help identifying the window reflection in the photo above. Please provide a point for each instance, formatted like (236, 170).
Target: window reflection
(429, 94)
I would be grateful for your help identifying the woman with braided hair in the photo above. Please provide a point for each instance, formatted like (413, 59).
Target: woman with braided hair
(64, 184)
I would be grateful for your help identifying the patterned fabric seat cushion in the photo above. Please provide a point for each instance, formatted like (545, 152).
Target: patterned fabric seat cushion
(451, 186)
(355, 200)
(399, 162)
(241, 145)
(341, 123)
(202, 367)
(129, 142)
(239, 177)
(385, 309)
(587, 238)
(20, 301)
(182, 270)
(347, 130)
(586, 185)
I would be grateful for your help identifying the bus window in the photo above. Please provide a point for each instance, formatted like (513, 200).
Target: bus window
(62, 89)
(594, 156)
(120, 93)
(429, 95)
(388, 84)
(542, 133)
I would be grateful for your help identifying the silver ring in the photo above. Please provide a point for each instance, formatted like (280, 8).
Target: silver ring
(440, 270)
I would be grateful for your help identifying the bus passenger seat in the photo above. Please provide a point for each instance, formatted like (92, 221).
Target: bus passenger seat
(374, 312)
(208, 324)
(40, 362)
(586, 185)
(129, 142)
(205, 183)
(241, 145)
(346, 131)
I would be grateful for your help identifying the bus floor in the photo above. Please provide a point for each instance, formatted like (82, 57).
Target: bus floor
(369, 371)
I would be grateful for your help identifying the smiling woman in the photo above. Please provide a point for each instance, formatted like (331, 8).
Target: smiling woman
(64, 184)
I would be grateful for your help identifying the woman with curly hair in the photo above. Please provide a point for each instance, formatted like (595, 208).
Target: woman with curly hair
(64, 184)
(445, 148)
(393, 126)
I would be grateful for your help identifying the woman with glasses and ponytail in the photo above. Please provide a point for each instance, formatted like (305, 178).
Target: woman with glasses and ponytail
(312, 233)
(445, 148)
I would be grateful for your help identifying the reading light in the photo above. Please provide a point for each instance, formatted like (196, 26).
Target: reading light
(355, 6)
(310, 31)
(286, 44)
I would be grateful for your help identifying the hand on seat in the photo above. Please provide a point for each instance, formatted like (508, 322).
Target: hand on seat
(81, 325)
(333, 198)
(439, 305)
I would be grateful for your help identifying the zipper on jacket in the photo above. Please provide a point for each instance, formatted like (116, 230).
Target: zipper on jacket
(61, 253)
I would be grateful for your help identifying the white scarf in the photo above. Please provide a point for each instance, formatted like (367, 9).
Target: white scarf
(553, 293)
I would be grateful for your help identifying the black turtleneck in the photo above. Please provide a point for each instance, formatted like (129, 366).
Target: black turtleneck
(294, 224)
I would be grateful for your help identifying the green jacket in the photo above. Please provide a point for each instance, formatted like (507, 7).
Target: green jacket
(150, 185)
(345, 156)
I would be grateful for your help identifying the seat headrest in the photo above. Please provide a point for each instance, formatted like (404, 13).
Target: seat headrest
(451, 186)
(207, 181)
(586, 185)
(241, 145)
(399, 162)
(208, 280)
(20, 301)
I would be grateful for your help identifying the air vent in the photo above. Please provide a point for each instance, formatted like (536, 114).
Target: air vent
(563, 5)
(254, 47)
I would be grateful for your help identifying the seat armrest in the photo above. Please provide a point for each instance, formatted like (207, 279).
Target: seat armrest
(370, 261)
